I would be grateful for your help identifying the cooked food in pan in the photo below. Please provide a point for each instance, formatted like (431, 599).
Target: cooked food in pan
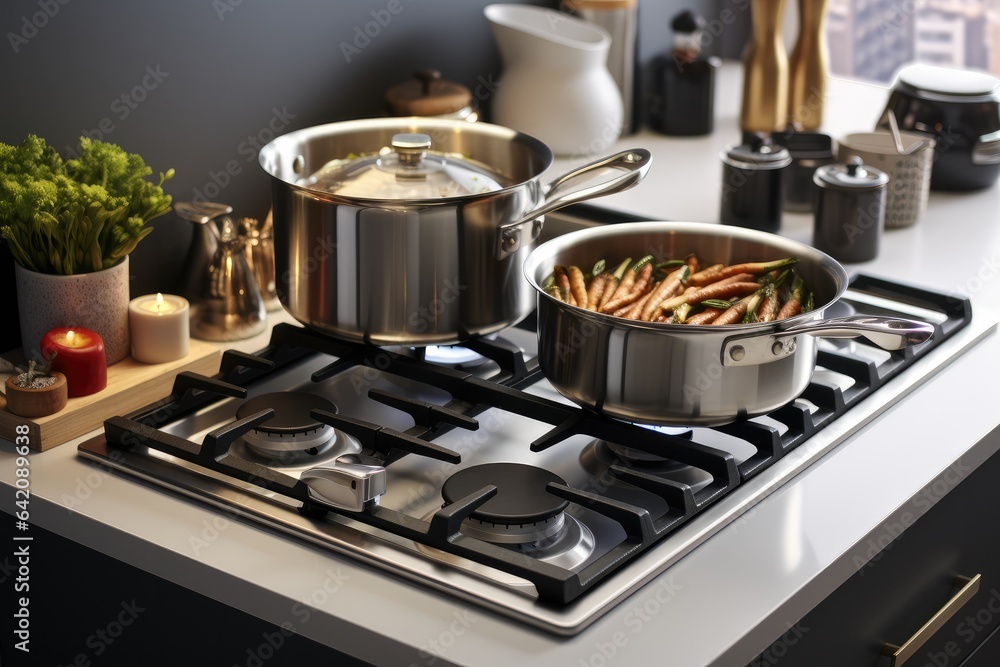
(681, 291)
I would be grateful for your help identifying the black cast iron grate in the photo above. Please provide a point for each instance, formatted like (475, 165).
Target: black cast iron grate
(442, 531)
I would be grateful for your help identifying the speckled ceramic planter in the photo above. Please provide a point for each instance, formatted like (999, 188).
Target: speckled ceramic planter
(97, 301)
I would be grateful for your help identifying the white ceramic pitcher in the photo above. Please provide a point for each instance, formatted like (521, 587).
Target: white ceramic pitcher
(555, 84)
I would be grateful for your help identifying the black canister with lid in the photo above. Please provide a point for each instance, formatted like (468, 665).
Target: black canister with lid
(752, 184)
(809, 150)
(849, 210)
(683, 98)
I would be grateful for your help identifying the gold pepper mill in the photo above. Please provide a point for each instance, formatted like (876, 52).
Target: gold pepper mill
(808, 67)
(765, 70)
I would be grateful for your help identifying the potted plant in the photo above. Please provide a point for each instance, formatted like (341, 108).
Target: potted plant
(36, 392)
(70, 225)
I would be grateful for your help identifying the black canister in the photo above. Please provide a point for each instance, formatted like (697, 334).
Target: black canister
(849, 210)
(683, 99)
(752, 184)
(809, 150)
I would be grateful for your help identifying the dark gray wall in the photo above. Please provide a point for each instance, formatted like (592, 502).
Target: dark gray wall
(200, 85)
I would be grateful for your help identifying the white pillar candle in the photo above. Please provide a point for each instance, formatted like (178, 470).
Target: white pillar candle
(159, 329)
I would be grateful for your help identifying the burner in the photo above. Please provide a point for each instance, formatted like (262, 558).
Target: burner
(599, 456)
(521, 511)
(452, 355)
(457, 357)
(291, 429)
(522, 516)
(643, 458)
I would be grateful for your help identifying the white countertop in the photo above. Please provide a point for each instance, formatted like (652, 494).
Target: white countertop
(721, 604)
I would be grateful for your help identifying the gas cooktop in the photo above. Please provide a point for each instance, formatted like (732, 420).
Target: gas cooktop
(461, 469)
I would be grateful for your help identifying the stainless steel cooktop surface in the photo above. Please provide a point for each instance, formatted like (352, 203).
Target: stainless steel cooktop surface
(461, 469)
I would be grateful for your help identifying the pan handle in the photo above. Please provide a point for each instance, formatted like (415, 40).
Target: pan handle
(888, 333)
(565, 190)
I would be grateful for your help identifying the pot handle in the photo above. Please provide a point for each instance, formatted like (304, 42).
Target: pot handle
(565, 190)
(889, 333)
(987, 149)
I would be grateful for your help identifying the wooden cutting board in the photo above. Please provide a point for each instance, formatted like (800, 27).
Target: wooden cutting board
(131, 385)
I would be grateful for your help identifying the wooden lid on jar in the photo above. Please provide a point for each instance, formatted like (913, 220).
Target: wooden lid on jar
(427, 94)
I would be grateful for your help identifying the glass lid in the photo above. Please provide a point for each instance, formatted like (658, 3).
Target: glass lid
(852, 175)
(406, 170)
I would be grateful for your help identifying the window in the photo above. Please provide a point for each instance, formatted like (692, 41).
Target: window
(872, 39)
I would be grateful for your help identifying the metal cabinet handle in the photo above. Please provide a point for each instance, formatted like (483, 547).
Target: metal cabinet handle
(900, 654)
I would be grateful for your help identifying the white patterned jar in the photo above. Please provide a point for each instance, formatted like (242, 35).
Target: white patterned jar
(97, 301)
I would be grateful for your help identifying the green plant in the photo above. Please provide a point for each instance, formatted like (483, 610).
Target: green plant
(79, 215)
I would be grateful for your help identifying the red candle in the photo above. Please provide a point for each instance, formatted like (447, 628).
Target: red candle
(80, 357)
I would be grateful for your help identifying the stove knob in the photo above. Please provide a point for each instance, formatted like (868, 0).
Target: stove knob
(353, 483)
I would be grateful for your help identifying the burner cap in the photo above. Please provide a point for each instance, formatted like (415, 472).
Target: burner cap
(290, 429)
(521, 496)
(291, 412)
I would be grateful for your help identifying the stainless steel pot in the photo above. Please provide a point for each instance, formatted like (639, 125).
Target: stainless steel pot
(421, 271)
(655, 373)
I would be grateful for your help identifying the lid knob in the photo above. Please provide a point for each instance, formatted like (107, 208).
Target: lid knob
(411, 147)
(851, 175)
(427, 77)
(854, 166)
(687, 22)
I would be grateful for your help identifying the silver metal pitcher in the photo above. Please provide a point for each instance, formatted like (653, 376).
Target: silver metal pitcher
(260, 256)
(226, 302)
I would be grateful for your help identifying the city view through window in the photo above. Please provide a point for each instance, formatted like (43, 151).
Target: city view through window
(871, 39)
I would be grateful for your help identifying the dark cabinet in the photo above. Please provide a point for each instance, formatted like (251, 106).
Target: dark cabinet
(87, 608)
(914, 569)
(986, 654)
